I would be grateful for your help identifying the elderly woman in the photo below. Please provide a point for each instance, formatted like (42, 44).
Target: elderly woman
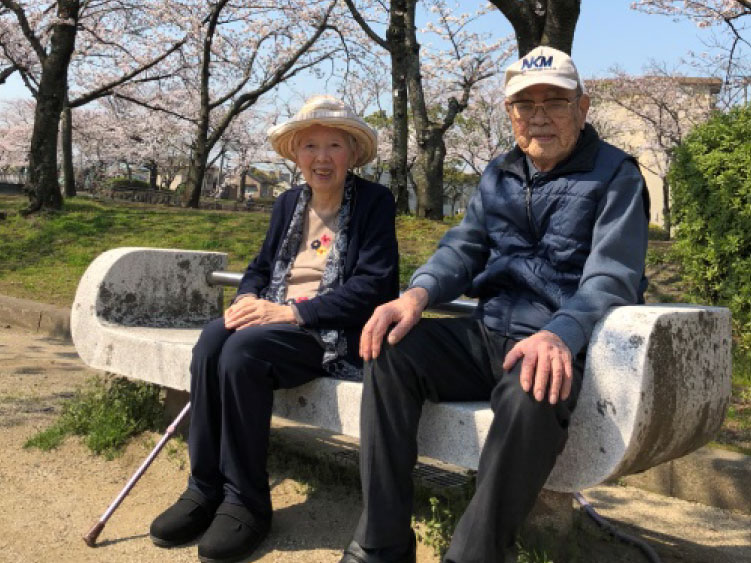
(329, 258)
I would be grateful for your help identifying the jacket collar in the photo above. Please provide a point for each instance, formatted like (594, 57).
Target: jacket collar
(581, 159)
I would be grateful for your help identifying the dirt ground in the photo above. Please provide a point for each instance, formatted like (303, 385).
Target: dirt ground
(48, 500)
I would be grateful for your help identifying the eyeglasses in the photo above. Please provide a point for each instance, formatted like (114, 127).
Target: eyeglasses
(554, 108)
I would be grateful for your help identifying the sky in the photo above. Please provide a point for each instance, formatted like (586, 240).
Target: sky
(608, 33)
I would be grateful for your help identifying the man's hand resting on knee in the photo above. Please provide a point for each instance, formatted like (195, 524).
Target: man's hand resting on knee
(404, 312)
(545, 358)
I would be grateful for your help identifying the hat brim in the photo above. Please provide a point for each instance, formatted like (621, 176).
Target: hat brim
(282, 137)
(522, 81)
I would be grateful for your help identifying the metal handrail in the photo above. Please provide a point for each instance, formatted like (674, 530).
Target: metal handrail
(464, 307)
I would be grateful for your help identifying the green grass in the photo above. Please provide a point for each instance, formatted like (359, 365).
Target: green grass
(106, 413)
(418, 239)
(736, 429)
(43, 257)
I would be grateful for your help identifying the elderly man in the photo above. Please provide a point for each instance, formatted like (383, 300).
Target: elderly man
(554, 236)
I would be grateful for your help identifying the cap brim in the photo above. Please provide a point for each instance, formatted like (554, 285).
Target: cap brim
(523, 81)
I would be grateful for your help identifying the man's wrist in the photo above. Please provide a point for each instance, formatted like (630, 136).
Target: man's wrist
(419, 296)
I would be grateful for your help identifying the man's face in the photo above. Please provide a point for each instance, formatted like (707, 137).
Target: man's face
(548, 139)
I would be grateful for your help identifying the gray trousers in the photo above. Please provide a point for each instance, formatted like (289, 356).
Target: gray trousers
(456, 360)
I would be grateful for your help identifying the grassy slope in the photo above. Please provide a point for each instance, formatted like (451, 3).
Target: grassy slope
(42, 258)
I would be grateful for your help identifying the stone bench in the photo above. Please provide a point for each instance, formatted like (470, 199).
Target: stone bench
(656, 386)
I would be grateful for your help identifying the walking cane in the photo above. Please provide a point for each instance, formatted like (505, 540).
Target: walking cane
(93, 534)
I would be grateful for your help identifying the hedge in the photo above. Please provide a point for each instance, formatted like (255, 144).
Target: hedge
(711, 190)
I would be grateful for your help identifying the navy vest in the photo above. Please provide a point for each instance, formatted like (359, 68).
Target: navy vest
(540, 233)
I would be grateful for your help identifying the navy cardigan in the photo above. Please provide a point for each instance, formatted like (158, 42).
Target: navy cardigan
(371, 270)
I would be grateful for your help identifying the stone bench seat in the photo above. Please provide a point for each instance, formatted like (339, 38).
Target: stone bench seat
(656, 384)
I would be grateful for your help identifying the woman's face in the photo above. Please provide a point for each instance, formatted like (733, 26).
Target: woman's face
(324, 154)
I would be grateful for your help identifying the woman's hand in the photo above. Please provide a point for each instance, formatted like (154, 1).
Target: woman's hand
(250, 311)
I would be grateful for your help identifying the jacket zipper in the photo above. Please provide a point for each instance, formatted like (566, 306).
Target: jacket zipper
(530, 218)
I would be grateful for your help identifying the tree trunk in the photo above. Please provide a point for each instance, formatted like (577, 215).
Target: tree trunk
(199, 154)
(153, 173)
(196, 175)
(431, 150)
(69, 175)
(666, 222)
(42, 186)
(428, 176)
(541, 22)
(243, 176)
(395, 36)
(197, 170)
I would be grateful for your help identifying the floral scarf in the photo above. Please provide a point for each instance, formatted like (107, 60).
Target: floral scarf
(334, 341)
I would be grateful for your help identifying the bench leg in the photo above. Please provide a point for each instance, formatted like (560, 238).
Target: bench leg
(550, 526)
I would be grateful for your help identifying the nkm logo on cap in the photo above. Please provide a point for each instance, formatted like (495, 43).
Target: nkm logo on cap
(542, 65)
(537, 62)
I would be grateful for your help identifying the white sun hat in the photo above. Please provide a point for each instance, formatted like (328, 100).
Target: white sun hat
(330, 112)
(542, 65)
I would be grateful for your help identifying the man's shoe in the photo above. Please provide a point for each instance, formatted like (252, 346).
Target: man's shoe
(233, 536)
(184, 521)
(355, 553)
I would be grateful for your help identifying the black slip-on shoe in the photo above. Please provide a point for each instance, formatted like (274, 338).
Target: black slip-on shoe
(184, 521)
(233, 536)
(355, 553)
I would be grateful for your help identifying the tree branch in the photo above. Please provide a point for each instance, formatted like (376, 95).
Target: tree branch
(26, 28)
(365, 26)
(107, 88)
(246, 76)
(282, 73)
(152, 106)
(7, 72)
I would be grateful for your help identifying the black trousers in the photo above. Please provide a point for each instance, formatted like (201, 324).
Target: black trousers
(456, 360)
(233, 376)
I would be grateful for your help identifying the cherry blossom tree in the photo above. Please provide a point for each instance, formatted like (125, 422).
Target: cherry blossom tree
(16, 124)
(541, 22)
(437, 81)
(246, 144)
(371, 14)
(70, 52)
(730, 52)
(115, 132)
(59, 26)
(235, 54)
(439, 89)
(654, 113)
(483, 131)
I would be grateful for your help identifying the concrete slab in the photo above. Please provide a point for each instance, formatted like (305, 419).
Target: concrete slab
(686, 478)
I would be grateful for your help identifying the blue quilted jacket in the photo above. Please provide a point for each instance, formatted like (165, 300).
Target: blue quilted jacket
(552, 251)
